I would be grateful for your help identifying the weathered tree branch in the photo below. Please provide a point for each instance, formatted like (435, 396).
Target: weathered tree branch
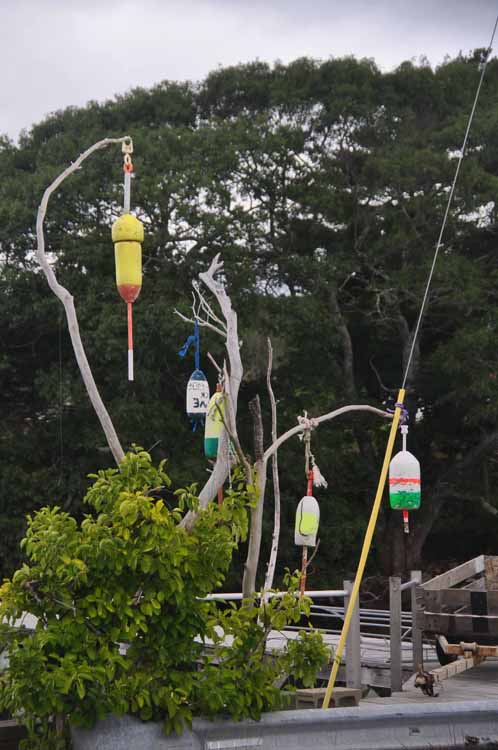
(202, 323)
(272, 562)
(318, 420)
(258, 472)
(221, 467)
(68, 301)
(254, 543)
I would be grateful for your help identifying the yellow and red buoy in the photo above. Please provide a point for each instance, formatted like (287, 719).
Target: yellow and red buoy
(127, 235)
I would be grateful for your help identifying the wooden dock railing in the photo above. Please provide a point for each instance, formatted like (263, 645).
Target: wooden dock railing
(396, 589)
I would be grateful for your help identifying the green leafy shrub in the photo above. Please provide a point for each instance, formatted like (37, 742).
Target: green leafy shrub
(131, 574)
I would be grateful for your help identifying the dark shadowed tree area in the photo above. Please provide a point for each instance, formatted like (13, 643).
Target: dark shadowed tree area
(323, 185)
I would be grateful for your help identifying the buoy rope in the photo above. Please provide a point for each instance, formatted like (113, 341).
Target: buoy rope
(396, 418)
(194, 339)
(484, 63)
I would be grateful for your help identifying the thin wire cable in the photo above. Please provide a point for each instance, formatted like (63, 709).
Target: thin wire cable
(448, 206)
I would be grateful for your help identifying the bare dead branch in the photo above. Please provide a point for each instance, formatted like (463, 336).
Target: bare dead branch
(324, 418)
(68, 301)
(254, 542)
(270, 572)
(201, 322)
(204, 305)
(221, 467)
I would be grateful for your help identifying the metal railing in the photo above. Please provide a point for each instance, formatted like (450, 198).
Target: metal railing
(391, 631)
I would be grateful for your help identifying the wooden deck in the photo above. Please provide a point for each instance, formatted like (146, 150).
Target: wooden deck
(375, 665)
(477, 684)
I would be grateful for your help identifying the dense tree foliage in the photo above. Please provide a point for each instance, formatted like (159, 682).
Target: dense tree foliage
(130, 573)
(324, 186)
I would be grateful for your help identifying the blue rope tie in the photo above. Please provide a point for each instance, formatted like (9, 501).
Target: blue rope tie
(193, 339)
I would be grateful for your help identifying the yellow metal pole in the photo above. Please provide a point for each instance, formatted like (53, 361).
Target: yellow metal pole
(365, 550)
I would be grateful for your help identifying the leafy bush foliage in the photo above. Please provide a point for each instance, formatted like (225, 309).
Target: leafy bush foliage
(122, 624)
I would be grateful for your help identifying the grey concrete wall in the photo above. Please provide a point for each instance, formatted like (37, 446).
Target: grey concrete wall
(433, 724)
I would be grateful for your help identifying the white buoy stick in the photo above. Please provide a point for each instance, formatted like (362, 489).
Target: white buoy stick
(404, 433)
(127, 192)
(130, 343)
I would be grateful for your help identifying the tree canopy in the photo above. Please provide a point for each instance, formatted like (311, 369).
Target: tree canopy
(323, 185)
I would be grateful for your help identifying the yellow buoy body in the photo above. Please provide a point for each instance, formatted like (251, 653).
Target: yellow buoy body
(127, 235)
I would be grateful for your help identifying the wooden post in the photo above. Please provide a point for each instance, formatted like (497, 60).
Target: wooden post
(395, 633)
(353, 643)
(417, 647)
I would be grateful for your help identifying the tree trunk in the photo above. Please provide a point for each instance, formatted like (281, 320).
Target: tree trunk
(360, 434)
(254, 545)
(272, 562)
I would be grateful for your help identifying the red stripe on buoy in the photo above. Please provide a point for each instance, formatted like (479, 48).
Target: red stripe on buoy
(310, 483)
(129, 292)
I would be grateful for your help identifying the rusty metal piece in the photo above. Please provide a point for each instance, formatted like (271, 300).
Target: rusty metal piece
(425, 681)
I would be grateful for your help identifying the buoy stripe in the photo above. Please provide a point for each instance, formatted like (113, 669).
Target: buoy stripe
(129, 292)
(404, 480)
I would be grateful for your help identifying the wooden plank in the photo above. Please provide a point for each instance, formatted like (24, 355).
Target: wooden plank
(478, 584)
(458, 626)
(456, 667)
(395, 633)
(461, 601)
(447, 600)
(458, 649)
(456, 575)
(341, 696)
(417, 645)
(491, 572)
(353, 643)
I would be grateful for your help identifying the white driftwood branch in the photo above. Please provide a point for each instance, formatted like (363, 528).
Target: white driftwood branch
(256, 524)
(318, 420)
(270, 572)
(204, 305)
(68, 301)
(221, 467)
(201, 322)
(261, 468)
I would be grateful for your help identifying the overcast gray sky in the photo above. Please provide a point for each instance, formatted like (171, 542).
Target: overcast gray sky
(56, 53)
